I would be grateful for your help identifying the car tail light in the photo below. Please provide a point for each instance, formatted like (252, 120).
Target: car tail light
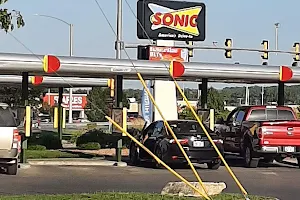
(181, 141)
(16, 140)
(218, 141)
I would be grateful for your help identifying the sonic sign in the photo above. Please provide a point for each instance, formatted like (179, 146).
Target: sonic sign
(171, 20)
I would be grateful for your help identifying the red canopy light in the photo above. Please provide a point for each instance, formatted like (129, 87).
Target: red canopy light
(176, 69)
(285, 73)
(51, 64)
(36, 80)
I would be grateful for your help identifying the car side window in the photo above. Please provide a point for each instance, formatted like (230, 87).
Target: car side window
(149, 130)
(158, 129)
(240, 116)
(232, 116)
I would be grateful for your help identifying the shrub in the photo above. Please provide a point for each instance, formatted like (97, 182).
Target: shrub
(37, 147)
(105, 140)
(48, 139)
(90, 146)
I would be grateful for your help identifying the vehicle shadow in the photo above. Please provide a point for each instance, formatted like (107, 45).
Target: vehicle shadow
(238, 162)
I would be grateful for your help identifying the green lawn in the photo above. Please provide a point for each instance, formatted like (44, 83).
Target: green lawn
(124, 196)
(38, 154)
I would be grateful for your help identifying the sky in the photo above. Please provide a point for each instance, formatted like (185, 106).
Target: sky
(247, 23)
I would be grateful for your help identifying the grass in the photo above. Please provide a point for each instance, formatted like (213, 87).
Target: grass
(124, 196)
(38, 154)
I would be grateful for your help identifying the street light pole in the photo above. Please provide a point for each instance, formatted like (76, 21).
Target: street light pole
(71, 54)
(71, 89)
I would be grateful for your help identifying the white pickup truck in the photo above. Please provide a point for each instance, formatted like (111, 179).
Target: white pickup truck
(10, 140)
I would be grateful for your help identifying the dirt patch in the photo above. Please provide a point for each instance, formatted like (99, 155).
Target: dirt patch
(102, 152)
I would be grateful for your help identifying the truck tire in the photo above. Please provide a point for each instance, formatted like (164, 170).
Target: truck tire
(249, 161)
(134, 155)
(214, 165)
(12, 169)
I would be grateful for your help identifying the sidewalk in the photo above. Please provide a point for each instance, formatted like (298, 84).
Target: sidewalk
(75, 162)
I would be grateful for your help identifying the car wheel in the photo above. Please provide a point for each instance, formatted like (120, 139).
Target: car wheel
(159, 154)
(249, 161)
(214, 164)
(133, 155)
(12, 169)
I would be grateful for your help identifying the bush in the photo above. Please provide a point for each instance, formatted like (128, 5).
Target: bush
(105, 140)
(90, 146)
(48, 139)
(37, 147)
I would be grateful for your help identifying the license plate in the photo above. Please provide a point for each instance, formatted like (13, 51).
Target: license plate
(198, 144)
(289, 149)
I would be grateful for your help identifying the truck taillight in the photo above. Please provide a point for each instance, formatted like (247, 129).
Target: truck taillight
(16, 140)
(181, 141)
(260, 133)
(218, 141)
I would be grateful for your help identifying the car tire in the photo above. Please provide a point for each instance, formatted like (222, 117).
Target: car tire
(133, 155)
(159, 154)
(214, 165)
(12, 169)
(249, 161)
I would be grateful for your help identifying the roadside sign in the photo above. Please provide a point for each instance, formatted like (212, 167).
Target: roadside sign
(168, 53)
(171, 20)
(117, 116)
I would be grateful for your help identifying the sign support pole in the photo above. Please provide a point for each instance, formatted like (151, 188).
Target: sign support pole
(60, 113)
(23, 158)
(119, 78)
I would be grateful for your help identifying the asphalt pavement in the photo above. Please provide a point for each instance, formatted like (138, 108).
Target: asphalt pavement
(281, 181)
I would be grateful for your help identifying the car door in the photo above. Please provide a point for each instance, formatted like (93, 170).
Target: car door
(148, 131)
(228, 134)
(237, 130)
(150, 143)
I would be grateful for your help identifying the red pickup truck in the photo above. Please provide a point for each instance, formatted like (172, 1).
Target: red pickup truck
(261, 132)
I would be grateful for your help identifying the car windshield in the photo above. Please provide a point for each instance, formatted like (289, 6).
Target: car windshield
(7, 118)
(187, 127)
(270, 115)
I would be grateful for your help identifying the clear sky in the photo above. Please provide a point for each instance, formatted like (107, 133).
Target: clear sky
(246, 22)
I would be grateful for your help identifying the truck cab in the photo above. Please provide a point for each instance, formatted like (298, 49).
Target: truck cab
(261, 132)
(10, 140)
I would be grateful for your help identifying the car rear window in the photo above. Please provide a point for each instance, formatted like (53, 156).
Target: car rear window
(270, 115)
(187, 127)
(7, 118)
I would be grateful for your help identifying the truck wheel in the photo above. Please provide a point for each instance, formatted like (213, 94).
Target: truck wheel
(214, 165)
(249, 161)
(133, 155)
(298, 159)
(12, 169)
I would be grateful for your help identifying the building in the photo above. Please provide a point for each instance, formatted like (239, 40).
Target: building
(79, 102)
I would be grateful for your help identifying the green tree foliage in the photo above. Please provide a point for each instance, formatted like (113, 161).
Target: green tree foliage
(215, 100)
(7, 18)
(13, 95)
(98, 104)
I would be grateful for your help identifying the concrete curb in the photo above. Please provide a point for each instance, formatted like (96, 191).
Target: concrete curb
(75, 162)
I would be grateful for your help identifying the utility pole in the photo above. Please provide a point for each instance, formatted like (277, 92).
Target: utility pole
(280, 93)
(71, 89)
(119, 78)
(262, 95)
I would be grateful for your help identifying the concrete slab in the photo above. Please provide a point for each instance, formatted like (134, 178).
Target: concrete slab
(75, 162)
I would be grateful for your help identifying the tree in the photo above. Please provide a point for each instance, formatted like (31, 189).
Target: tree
(215, 100)
(98, 104)
(7, 18)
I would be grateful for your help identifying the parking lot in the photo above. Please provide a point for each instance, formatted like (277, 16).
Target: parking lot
(271, 180)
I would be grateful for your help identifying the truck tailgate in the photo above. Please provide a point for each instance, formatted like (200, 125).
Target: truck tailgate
(281, 133)
(6, 137)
